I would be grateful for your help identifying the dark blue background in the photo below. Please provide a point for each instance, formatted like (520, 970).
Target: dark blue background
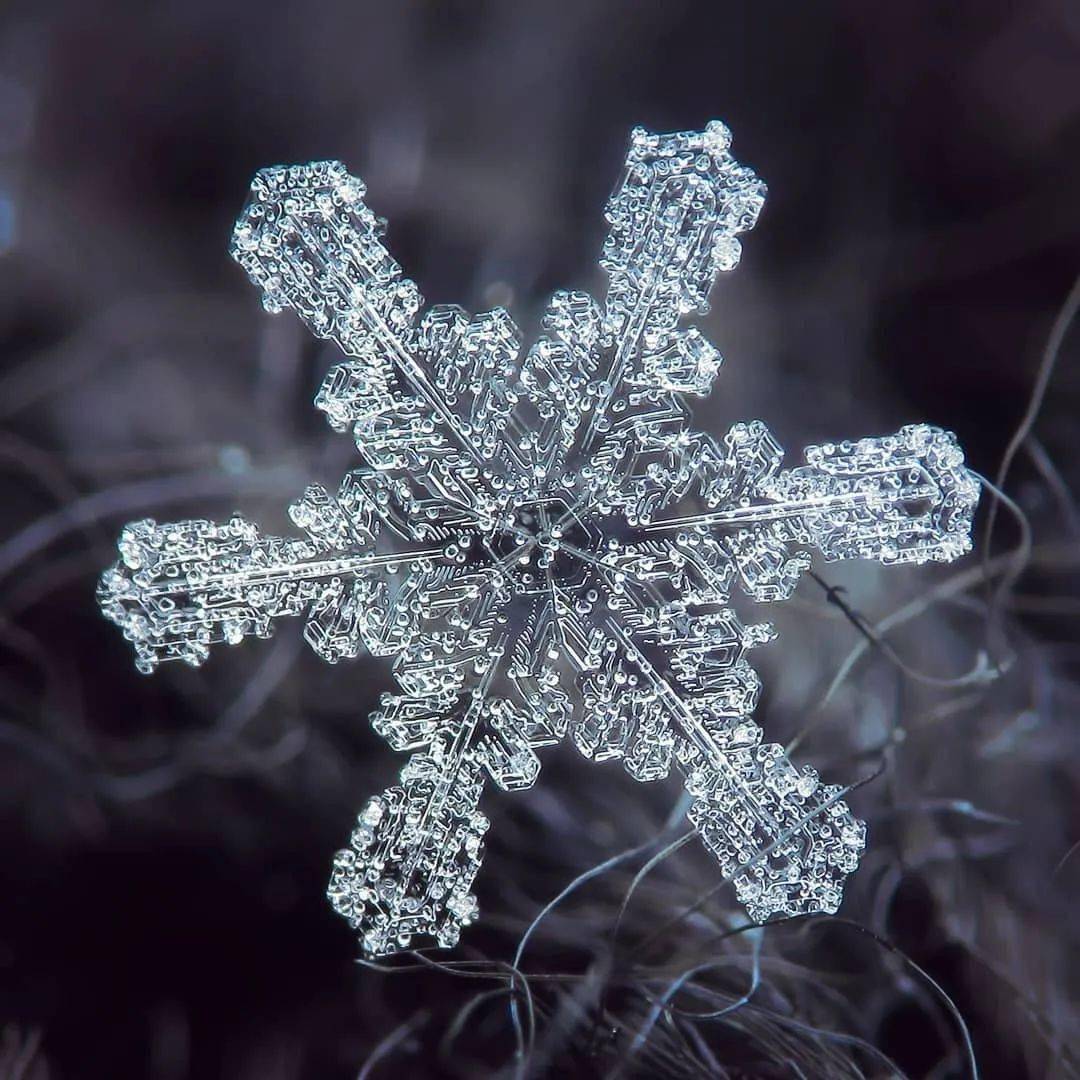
(165, 842)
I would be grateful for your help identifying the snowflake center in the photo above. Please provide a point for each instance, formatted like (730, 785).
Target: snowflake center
(543, 544)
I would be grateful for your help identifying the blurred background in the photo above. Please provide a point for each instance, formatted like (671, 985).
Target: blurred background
(166, 841)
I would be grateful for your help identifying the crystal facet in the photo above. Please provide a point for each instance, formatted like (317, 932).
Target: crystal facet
(541, 540)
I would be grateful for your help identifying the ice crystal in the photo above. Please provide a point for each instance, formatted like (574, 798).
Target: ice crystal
(541, 540)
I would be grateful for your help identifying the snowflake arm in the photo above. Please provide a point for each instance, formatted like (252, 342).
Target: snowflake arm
(541, 541)
(674, 220)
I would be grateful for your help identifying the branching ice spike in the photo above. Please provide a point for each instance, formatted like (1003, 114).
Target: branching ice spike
(542, 541)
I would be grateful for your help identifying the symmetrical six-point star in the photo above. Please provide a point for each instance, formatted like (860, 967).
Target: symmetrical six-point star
(542, 542)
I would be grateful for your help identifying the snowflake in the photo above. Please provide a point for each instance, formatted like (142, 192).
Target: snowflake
(542, 542)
